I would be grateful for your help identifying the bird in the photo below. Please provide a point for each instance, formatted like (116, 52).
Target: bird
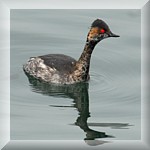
(63, 69)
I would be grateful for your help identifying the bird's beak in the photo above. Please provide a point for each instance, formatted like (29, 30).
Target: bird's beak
(110, 34)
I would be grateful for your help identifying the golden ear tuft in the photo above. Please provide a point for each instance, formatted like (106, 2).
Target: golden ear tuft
(93, 32)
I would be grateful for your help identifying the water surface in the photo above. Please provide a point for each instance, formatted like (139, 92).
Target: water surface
(108, 106)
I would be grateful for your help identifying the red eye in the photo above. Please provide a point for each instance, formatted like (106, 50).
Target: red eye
(102, 31)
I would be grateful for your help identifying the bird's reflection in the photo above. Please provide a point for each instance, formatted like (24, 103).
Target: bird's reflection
(79, 93)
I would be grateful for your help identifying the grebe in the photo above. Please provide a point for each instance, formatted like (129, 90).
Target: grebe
(62, 69)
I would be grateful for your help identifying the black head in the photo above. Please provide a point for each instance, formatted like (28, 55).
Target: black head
(99, 31)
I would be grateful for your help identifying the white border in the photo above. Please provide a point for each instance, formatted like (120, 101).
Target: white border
(4, 74)
(75, 4)
(5, 7)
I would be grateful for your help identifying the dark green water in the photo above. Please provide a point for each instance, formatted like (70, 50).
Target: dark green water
(109, 105)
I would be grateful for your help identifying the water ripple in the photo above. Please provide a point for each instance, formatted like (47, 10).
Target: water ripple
(101, 83)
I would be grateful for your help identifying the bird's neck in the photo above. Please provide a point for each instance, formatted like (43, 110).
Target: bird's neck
(86, 54)
(83, 64)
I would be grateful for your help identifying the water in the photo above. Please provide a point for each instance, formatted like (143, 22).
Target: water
(108, 106)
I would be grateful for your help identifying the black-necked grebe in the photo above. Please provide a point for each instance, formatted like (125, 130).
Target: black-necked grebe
(62, 69)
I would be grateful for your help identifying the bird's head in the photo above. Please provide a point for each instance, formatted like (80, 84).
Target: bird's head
(99, 31)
